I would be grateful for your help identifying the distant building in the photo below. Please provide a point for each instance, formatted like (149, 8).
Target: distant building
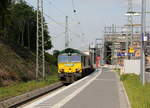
(121, 44)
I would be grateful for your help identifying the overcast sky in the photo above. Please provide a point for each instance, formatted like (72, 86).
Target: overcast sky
(93, 16)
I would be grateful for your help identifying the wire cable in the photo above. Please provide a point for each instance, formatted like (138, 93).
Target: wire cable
(73, 5)
(61, 25)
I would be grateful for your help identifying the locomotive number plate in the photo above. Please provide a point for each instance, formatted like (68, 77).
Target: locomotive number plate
(69, 64)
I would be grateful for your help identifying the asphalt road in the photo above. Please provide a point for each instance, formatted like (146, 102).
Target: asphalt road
(98, 90)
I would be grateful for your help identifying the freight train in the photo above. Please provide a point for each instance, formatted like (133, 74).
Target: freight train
(73, 65)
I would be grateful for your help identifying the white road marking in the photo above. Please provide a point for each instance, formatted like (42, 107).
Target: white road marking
(54, 94)
(68, 98)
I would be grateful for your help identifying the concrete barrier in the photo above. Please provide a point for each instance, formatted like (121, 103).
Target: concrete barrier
(132, 66)
(27, 96)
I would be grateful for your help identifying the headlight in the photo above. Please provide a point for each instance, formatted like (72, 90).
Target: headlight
(61, 70)
(77, 70)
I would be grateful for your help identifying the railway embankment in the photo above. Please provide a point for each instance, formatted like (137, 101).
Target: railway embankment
(17, 71)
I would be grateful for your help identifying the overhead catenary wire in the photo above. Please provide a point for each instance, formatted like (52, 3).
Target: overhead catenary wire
(63, 13)
(62, 25)
(59, 10)
(73, 5)
(77, 18)
(59, 24)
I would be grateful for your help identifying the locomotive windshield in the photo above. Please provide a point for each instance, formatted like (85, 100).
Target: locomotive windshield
(63, 59)
(73, 58)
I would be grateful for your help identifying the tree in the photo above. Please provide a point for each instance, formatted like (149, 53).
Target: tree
(22, 29)
(56, 53)
(4, 4)
(50, 59)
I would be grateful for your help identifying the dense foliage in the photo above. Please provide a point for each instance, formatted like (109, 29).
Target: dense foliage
(4, 4)
(18, 24)
(18, 28)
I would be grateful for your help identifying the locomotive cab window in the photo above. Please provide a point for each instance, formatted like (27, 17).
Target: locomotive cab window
(72, 58)
(63, 58)
(75, 58)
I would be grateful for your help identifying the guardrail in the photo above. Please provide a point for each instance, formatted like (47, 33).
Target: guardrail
(28, 96)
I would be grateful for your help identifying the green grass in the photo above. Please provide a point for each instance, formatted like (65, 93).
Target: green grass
(138, 94)
(22, 87)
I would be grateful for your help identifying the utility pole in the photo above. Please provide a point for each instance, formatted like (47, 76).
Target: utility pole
(127, 45)
(40, 57)
(98, 43)
(130, 20)
(143, 30)
(66, 34)
(112, 47)
(103, 51)
(130, 28)
(92, 50)
(98, 48)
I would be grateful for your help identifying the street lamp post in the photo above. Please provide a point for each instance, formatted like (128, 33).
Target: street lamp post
(143, 29)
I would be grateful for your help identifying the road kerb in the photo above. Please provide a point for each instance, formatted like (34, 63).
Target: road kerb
(124, 91)
(127, 98)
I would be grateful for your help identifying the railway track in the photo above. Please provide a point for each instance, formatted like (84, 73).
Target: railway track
(23, 105)
(21, 100)
(29, 96)
(61, 95)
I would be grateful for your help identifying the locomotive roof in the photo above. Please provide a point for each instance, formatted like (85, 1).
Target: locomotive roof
(71, 51)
